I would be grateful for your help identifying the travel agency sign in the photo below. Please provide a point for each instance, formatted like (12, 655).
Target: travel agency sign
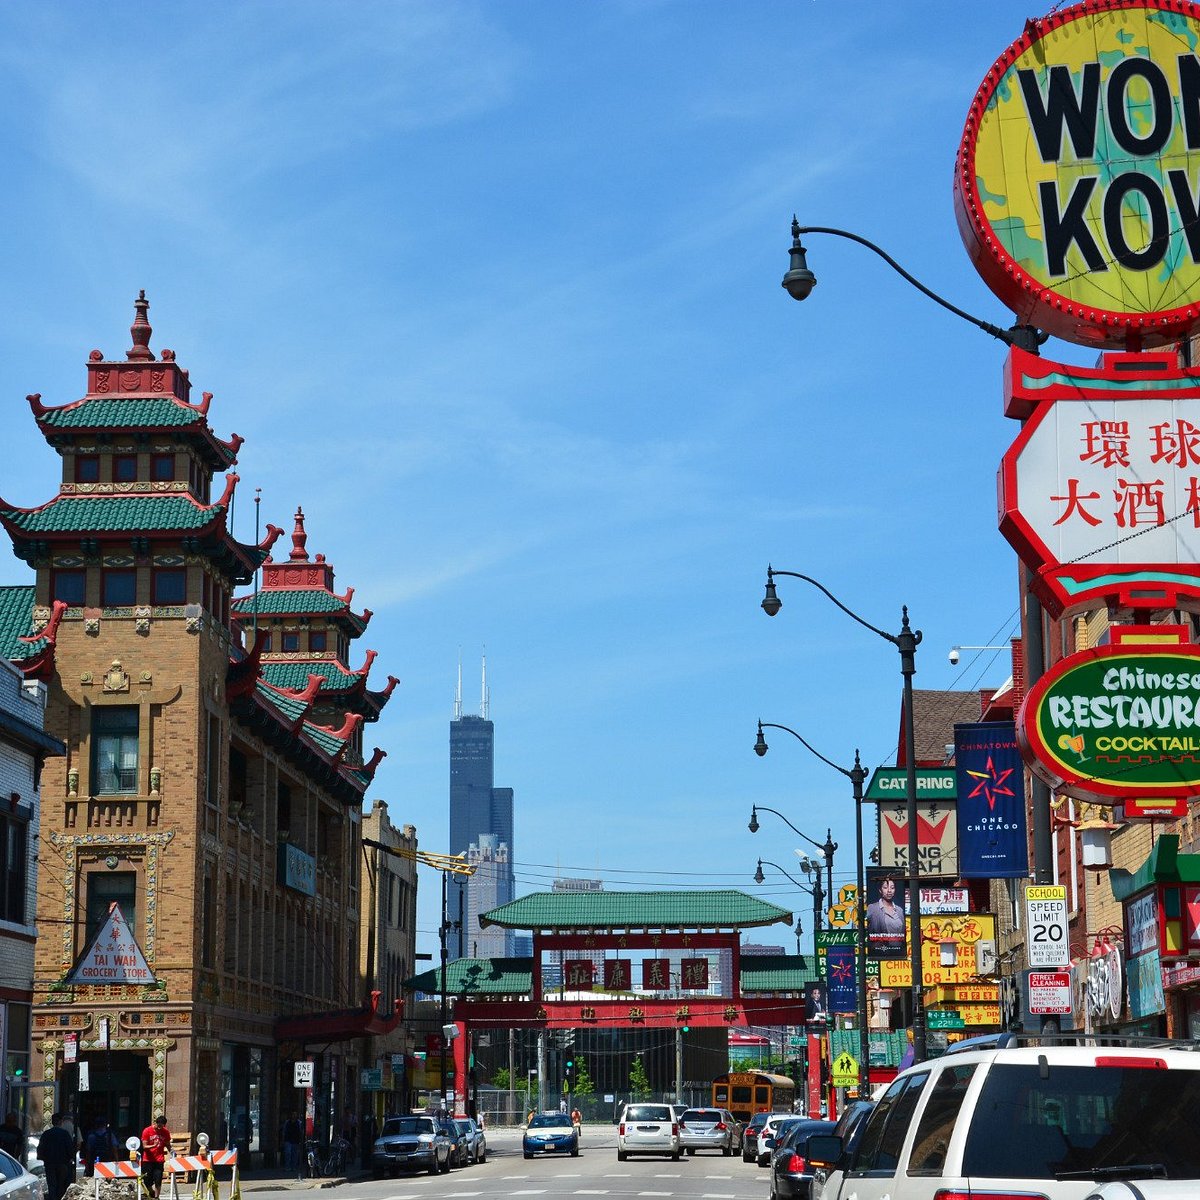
(1077, 181)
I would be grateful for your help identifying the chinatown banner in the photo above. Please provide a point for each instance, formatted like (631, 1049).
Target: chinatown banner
(842, 980)
(991, 802)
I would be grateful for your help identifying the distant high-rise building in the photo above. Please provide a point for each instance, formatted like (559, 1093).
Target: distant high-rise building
(489, 857)
(478, 810)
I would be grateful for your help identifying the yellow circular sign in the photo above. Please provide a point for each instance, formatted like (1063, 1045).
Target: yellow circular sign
(1077, 185)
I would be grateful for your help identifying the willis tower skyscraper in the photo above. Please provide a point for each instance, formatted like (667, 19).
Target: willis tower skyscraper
(481, 826)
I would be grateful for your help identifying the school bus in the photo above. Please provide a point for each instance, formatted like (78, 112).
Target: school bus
(746, 1092)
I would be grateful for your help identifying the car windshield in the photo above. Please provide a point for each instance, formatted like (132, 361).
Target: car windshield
(463, 1126)
(407, 1125)
(551, 1121)
(698, 1116)
(647, 1112)
(1036, 1123)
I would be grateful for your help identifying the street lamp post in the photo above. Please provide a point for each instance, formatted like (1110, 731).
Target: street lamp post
(857, 776)
(906, 642)
(815, 891)
(827, 849)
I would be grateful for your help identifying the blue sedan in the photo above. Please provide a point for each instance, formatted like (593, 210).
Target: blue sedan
(550, 1133)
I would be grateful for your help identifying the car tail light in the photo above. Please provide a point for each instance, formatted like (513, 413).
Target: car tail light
(1111, 1060)
(795, 1165)
(674, 1130)
(621, 1129)
(721, 1126)
(959, 1194)
(682, 1124)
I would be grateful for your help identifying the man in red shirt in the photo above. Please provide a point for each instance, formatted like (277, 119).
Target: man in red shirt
(156, 1145)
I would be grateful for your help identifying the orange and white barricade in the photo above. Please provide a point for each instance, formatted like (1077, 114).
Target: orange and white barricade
(205, 1186)
(126, 1169)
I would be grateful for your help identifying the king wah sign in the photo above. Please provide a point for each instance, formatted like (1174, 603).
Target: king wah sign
(1117, 721)
(1077, 181)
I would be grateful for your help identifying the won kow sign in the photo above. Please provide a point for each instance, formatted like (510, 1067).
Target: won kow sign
(1117, 721)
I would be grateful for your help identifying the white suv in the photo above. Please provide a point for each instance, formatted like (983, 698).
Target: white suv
(648, 1129)
(1039, 1122)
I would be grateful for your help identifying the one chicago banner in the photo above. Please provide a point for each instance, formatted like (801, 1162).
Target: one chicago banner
(992, 842)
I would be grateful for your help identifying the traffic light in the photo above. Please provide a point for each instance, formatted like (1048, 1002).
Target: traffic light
(570, 1073)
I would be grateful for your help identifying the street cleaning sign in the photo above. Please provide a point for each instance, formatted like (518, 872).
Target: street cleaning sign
(113, 956)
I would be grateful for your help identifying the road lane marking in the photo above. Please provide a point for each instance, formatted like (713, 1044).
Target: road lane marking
(591, 1191)
(717, 1196)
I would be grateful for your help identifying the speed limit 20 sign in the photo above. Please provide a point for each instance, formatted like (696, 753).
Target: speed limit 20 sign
(1046, 943)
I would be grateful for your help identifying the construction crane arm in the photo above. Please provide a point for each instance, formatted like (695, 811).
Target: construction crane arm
(451, 864)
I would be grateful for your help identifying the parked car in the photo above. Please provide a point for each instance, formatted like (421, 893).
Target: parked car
(550, 1133)
(791, 1175)
(415, 1141)
(769, 1135)
(476, 1142)
(753, 1129)
(17, 1183)
(460, 1152)
(710, 1129)
(1003, 1117)
(648, 1129)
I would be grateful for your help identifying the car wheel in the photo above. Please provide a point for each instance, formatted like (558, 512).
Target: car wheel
(527, 1154)
(676, 1156)
(446, 1168)
(482, 1156)
(435, 1166)
(726, 1150)
(621, 1156)
(575, 1152)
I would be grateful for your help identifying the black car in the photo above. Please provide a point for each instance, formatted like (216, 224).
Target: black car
(791, 1176)
(849, 1128)
(460, 1153)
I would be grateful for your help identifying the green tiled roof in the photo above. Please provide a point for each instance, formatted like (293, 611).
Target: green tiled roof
(112, 514)
(635, 910)
(295, 675)
(16, 621)
(775, 973)
(287, 601)
(477, 977)
(291, 709)
(330, 744)
(153, 412)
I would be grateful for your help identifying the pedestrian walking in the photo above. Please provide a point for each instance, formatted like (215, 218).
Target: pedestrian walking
(577, 1121)
(156, 1145)
(293, 1137)
(57, 1149)
(100, 1146)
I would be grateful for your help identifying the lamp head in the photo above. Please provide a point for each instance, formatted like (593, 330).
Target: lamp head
(758, 874)
(771, 603)
(760, 746)
(799, 280)
(753, 819)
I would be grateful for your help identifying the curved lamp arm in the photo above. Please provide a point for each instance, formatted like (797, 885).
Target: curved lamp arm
(754, 827)
(800, 281)
(759, 877)
(761, 747)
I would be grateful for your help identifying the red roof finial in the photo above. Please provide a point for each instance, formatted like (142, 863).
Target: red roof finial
(299, 539)
(141, 331)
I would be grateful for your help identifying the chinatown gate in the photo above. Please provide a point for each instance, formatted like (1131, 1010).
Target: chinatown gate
(640, 960)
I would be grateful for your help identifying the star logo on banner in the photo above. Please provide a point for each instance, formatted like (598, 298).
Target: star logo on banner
(992, 784)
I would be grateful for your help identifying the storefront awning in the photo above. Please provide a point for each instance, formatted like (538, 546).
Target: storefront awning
(339, 1025)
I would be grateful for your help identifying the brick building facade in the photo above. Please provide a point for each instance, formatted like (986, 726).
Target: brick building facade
(212, 800)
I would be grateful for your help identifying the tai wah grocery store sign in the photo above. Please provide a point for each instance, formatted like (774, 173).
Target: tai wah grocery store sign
(1117, 721)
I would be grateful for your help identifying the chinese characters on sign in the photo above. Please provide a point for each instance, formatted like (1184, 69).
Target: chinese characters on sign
(656, 974)
(618, 975)
(578, 974)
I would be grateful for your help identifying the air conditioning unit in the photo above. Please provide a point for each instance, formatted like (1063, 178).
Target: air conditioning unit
(35, 692)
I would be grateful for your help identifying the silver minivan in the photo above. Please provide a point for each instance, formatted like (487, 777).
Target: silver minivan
(648, 1129)
(710, 1129)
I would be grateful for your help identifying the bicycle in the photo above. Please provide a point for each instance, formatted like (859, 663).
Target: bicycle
(312, 1157)
(335, 1164)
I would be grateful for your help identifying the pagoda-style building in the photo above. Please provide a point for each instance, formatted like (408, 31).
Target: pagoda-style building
(210, 798)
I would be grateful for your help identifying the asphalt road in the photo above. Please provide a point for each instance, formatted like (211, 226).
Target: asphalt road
(596, 1172)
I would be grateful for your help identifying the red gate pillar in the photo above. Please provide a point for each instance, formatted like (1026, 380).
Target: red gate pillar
(462, 1078)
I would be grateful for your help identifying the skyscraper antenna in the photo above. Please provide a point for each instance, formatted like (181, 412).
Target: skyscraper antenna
(458, 689)
(485, 698)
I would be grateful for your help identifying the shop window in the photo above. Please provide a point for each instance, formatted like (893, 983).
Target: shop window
(162, 468)
(317, 641)
(118, 589)
(291, 642)
(69, 587)
(169, 586)
(105, 887)
(87, 468)
(115, 749)
(124, 468)
(14, 857)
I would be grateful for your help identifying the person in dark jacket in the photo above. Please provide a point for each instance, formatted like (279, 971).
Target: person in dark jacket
(56, 1148)
(12, 1138)
(100, 1146)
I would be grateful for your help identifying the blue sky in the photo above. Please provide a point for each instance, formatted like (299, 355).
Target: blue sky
(492, 290)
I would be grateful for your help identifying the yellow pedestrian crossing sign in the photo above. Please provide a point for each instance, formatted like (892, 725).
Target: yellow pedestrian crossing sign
(845, 1070)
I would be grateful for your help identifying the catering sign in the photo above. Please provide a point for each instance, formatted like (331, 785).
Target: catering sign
(1117, 720)
(1076, 180)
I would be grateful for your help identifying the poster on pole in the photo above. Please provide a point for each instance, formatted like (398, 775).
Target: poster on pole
(992, 841)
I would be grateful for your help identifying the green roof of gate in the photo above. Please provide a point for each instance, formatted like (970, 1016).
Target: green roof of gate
(727, 909)
(477, 977)
(113, 514)
(287, 601)
(775, 973)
